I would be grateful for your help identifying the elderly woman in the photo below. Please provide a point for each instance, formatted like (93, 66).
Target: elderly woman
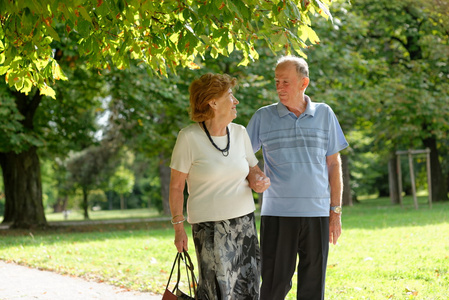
(215, 157)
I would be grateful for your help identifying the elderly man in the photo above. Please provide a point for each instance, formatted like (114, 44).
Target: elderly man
(301, 211)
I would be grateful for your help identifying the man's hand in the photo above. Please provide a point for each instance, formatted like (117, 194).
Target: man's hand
(257, 180)
(334, 227)
(261, 183)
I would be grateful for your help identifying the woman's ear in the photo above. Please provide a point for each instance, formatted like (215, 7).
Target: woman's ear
(213, 104)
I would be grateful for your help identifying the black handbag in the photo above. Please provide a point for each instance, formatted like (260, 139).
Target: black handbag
(182, 260)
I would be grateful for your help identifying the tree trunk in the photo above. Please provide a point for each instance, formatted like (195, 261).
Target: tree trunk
(439, 183)
(85, 203)
(347, 195)
(23, 189)
(122, 202)
(393, 179)
(164, 175)
(61, 204)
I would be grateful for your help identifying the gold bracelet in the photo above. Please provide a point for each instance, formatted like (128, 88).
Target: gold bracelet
(176, 217)
(179, 222)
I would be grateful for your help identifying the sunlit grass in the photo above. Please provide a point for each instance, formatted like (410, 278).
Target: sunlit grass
(385, 252)
(389, 252)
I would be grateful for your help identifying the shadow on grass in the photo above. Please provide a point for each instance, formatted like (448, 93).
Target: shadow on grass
(366, 214)
(82, 232)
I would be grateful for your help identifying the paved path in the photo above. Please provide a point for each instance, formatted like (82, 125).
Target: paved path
(19, 282)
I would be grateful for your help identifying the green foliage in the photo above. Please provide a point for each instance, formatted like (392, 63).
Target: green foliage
(122, 181)
(43, 42)
(97, 197)
(366, 166)
(2, 195)
(13, 135)
(90, 168)
(382, 66)
(49, 184)
(409, 103)
(70, 122)
(160, 34)
(146, 110)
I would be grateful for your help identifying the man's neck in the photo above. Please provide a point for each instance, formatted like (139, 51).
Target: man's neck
(299, 108)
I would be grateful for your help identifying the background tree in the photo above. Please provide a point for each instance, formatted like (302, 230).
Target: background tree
(64, 124)
(90, 168)
(35, 38)
(122, 182)
(382, 67)
(412, 111)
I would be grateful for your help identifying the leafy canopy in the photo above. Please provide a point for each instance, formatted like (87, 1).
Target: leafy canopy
(162, 34)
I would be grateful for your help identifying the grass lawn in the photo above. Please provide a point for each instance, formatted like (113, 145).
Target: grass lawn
(385, 252)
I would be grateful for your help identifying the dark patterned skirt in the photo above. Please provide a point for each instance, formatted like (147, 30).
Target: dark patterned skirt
(228, 259)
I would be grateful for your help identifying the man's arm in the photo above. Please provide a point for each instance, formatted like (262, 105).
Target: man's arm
(336, 184)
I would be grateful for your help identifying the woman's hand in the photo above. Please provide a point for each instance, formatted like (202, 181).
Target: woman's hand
(180, 238)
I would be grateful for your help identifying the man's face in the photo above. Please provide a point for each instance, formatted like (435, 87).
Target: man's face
(289, 85)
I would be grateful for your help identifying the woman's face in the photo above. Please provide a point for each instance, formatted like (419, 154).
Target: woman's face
(225, 106)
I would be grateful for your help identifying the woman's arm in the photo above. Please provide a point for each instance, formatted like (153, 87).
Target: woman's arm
(176, 200)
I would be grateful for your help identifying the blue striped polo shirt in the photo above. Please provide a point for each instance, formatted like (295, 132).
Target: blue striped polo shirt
(294, 151)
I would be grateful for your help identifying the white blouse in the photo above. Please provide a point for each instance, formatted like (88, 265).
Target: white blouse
(217, 185)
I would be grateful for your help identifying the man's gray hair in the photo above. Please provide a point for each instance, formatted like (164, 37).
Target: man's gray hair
(302, 68)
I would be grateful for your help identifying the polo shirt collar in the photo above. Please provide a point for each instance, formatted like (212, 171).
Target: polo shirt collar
(310, 108)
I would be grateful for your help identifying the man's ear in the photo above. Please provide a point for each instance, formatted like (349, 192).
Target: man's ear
(305, 83)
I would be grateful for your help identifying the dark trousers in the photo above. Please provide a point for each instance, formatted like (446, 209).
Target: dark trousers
(282, 240)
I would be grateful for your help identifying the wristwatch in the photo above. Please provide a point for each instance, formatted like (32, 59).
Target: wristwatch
(336, 209)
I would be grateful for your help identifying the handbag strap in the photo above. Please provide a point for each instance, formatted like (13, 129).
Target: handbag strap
(177, 260)
(190, 273)
(191, 279)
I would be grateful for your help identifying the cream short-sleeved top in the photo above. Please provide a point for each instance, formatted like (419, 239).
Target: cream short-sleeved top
(217, 185)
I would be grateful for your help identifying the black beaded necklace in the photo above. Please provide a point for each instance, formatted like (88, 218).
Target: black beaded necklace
(224, 151)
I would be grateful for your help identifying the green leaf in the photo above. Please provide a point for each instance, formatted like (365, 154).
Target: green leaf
(47, 91)
(244, 62)
(3, 69)
(52, 32)
(58, 74)
(47, 71)
(84, 27)
(84, 14)
(27, 85)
